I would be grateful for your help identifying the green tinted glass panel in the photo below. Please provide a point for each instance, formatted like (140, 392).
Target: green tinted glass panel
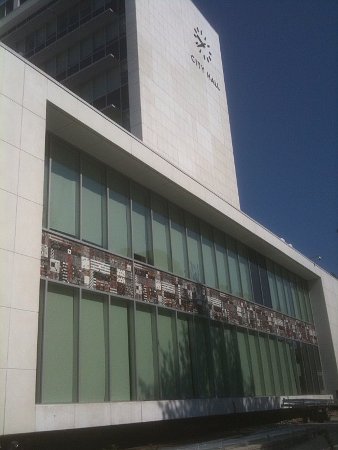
(178, 242)
(235, 279)
(272, 285)
(266, 364)
(288, 294)
(234, 380)
(166, 355)
(119, 215)
(284, 365)
(184, 357)
(292, 368)
(161, 235)
(294, 293)
(64, 190)
(276, 366)
(303, 310)
(318, 369)
(307, 302)
(209, 261)
(219, 359)
(256, 364)
(145, 354)
(140, 224)
(244, 271)
(280, 290)
(194, 249)
(222, 262)
(202, 360)
(93, 348)
(93, 203)
(243, 347)
(119, 352)
(58, 346)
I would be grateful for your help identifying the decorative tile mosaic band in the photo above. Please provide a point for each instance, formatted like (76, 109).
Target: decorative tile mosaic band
(79, 264)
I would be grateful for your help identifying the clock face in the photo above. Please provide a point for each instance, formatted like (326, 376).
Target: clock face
(202, 45)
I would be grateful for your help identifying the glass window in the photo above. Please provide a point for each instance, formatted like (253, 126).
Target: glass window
(119, 351)
(284, 367)
(178, 242)
(303, 306)
(145, 353)
(194, 249)
(319, 371)
(279, 388)
(307, 302)
(167, 354)
(234, 379)
(202, 364)
(264, 282)
(119, 215)
(244, 271)
(184, 356)
(235, 279)
(243, 348)
(288, 294)
(256, 364)
(93, 349)
(266, 364)
(294, 366)
(301, 368)
(272, 285)
(280, 290)
(219, 359)
(294, 293)
(140, 224)
(161, 235)
(209, 261)
(58, 362)
(64, 189)
(307, 369)
(256, 282)
(222, 262)
(93, 203)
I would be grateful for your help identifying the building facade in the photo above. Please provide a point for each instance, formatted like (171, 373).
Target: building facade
(133, 287)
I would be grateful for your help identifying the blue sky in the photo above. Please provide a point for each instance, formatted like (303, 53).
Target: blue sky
(280, 60)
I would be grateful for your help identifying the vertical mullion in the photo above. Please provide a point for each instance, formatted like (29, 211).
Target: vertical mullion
(176, 355)
(133, 354)
(155, 340)
(227, 259)
(239, 267)
(186, 242)
(201, 251)
(149, 229)
(106, 236)
(49, 182)
(171, 269)
(42, 321)
(108, 377)
(215, 259)
(80, 199)
(77, 387)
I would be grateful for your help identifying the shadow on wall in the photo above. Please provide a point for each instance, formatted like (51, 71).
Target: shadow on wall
(210, 382)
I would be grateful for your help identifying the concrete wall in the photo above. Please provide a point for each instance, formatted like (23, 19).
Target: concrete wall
(22, 147)
(178, 102)
(30, 102)
(324, 302)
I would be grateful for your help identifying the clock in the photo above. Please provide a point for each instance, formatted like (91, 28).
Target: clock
(202, 45)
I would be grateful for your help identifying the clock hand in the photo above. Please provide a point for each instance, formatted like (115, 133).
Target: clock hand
(202, 44)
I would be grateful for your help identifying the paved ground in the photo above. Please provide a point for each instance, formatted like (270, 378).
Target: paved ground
(292, 437)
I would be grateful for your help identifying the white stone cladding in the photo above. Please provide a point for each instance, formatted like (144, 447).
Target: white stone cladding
(178, 102)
